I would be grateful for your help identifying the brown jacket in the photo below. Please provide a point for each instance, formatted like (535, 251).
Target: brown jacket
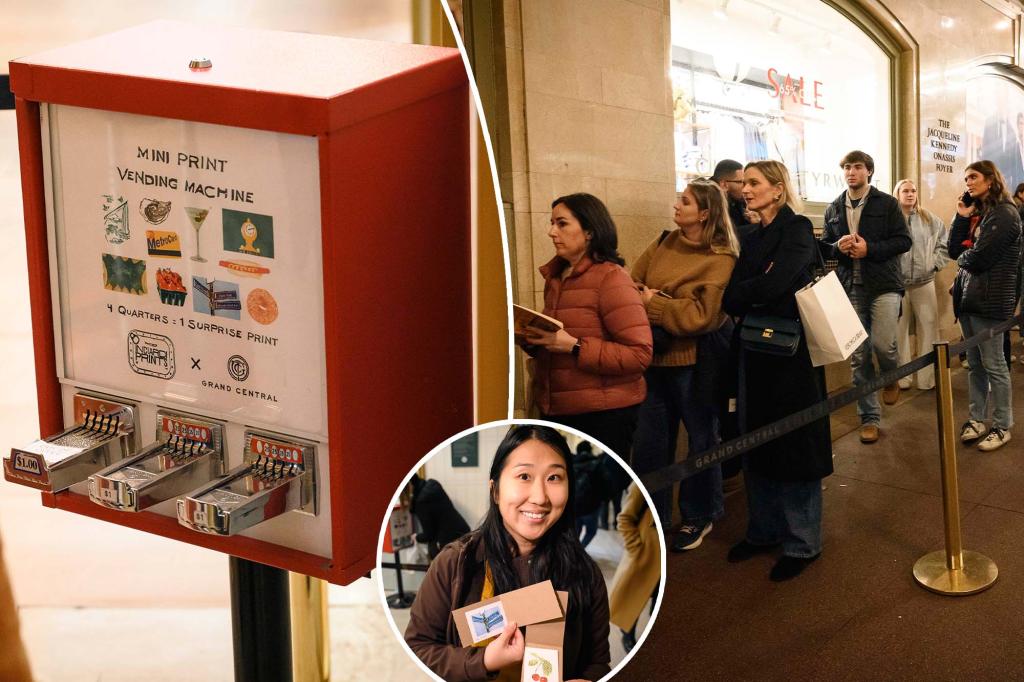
(640, 569)
(695, 277)
(598, 304)
(455, 579)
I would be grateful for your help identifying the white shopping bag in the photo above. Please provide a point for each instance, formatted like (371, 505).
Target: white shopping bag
(831, 325)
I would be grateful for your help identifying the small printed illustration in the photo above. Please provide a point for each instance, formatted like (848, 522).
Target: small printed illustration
(172, 289)
(196, 217)
(540, 665)
(115, 219)
(126, 275)
(245, 268)
(150, 354)
(261, 306)
(487, 621)
(154, 210)
(248, 233)
(219, 299)
(163, 244)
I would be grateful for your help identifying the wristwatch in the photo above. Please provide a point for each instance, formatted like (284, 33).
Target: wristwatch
(576, 348)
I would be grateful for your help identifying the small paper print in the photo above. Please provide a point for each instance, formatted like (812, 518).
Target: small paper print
(115, 219)
(486, 621)
(248, 233)
(154, 210)
(163, 244)
(171, 287)
(261, 306)
(540, 665)
(245, 268)
(219, 299)
(126, 275)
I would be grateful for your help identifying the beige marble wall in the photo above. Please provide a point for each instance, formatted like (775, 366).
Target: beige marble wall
(591, 106)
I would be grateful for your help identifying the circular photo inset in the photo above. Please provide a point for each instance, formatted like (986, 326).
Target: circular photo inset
(521, 550)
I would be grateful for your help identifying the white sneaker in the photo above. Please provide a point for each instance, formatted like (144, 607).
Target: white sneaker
(971, 431)
(995, 439)
(905, 384)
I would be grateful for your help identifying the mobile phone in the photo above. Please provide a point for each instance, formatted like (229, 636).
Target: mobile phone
(967, 199)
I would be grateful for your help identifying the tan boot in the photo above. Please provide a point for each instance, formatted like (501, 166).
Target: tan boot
(890, 394)
(868, 433)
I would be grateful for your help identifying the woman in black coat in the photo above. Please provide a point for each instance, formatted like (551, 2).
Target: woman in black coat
(783, 476)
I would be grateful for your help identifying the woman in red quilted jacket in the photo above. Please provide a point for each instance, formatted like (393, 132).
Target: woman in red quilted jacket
(590, 374)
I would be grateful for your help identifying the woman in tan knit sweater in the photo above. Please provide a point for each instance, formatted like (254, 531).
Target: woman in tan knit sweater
(683, 275)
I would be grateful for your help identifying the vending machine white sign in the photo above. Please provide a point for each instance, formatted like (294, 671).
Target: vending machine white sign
(188, 264)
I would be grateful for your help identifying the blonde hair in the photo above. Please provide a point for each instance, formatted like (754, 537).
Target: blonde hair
(718, 233)
(925, 213)
(776, 173)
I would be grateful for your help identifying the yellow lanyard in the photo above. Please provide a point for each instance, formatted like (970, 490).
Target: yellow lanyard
(511, 673)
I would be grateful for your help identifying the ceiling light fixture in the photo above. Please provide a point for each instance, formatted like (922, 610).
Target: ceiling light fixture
(722, 11)
(776, 20)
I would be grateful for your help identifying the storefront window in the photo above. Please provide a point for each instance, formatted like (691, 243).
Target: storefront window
(792, 80)
(995, 127)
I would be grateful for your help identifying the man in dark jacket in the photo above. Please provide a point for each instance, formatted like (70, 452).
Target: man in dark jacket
(729, 176)
(440, 521)
(866, 232)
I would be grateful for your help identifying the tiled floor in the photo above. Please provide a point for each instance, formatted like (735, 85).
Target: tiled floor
(857, 613)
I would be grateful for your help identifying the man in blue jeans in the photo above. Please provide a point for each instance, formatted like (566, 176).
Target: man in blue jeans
(866, 232)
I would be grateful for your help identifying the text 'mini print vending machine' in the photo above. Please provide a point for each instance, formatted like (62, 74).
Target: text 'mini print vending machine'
(250, 267)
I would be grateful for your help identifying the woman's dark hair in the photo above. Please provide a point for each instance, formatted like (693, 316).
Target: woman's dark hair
(597, 222)
(1020, 187)
(558, 555)
(997, 192)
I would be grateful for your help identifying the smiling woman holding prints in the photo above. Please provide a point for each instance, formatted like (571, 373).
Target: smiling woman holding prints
(528, 536)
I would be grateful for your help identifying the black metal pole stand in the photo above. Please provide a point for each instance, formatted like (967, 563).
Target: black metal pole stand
(260, 622)
(400, 599)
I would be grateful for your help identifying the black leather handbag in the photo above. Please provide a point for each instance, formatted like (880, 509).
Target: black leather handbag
(770, 334)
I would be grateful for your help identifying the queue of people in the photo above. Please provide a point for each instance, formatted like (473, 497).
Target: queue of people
(637, 346)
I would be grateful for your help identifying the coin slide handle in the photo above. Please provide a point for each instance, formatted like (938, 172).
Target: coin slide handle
(32, 468)
(142, 481)
(241, 500)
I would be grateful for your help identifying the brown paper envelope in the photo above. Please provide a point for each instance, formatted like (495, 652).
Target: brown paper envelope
(526, 606)
(549, 635)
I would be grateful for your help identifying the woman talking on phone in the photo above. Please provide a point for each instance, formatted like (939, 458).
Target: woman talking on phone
(985, 240)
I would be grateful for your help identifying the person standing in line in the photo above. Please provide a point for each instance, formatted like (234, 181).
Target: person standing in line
(783, 476)
(683, 275)
(866, 232)
(919, 265)
(589, 375)
(985, 240)
(729, 176)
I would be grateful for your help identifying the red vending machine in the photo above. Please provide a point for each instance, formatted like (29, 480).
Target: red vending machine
(250, 269)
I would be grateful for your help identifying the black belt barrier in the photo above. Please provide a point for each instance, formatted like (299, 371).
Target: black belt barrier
(694, 464)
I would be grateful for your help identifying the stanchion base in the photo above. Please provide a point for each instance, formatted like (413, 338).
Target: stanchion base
(977, 575)
(401, 600)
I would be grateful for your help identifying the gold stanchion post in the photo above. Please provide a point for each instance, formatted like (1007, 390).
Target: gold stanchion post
(311, 646)
(953, 571)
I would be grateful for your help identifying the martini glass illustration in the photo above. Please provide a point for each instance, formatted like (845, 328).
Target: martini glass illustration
(197, 216)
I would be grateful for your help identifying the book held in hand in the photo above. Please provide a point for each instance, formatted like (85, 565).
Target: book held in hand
(526, 320)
